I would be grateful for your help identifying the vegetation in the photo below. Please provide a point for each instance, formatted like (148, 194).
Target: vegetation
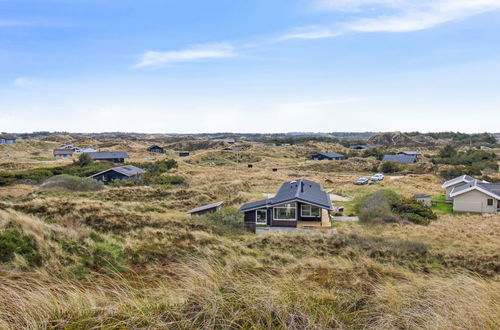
(84, 160)
(385, 206)
(71, 183)
(390, 167)
(474, 160)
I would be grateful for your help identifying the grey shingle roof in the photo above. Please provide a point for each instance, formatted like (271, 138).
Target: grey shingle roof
(300, 190)
(5, 136)
(403, 159)
(410, 153)
(205, 207)
(460, 179)
(329, 154)
(108, 155)
(492, 189)
(127, 170)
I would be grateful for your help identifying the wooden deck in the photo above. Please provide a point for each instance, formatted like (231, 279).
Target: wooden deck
(324, 223)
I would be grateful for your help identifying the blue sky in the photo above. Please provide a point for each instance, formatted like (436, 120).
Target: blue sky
(249, 66)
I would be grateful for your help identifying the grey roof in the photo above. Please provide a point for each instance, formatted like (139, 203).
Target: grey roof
(329, 154)
(205, 207)
(421, 196)
(63, 152)
(5, 136)
(299, 190)
(460, 179)
(410, 153)
(154, 146)
(404, 159)
(108, 155)
(127, 170)
(362, 146)
(492, 189)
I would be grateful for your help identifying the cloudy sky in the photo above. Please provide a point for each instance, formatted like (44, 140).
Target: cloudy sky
(250, 65)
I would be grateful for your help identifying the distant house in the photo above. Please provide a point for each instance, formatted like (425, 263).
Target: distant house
(183, 154)
(485, 148)
(156, 149)
(361, 147)
(402, 159)
(298, 204)
(476, 196)
(235, 148)
(69, 147)
(411, 153)
(226, 140)
(210, 208)
(327, 156)
(450, 184)
(109, 156)
(63, 153)
(425, 199)
(87, 150)
(7, 139)
(121, 173)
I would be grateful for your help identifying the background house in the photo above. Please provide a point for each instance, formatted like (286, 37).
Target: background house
(362, 147)
(121, 173)
(183, 154)
(210, 208)
(7, 138)
(425, 199)
(327, 156)
(156, 149)
(476, 196)
(402, 159)
(411, 153)
(63, 153)
(301, 203)
(109, 156)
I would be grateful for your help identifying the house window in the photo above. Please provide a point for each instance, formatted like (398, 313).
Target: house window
(490, 202)
(285, 212)
(104, 178)
(310, 211)
(261, 217)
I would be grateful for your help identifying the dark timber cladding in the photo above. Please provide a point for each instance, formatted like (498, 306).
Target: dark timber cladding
(156, 149)
(117, 173)
(299, 200)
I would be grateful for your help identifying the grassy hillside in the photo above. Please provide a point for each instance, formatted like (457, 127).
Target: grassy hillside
(129, 257)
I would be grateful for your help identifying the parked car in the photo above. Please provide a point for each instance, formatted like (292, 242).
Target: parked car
(378, 177)
(361, 181)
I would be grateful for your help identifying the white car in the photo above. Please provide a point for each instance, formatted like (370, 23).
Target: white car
(378, 177)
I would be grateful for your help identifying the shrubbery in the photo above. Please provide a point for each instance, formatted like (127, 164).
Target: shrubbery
(474, 161)
(390, 167)
(385, 206)
(13, 241)
(72, 183)
(229, 220)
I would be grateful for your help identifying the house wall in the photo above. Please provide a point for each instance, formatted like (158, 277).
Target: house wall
(6, 141)
(250, 217)
(474, 201)
(63, 156)
(301, 218)
(112, 160)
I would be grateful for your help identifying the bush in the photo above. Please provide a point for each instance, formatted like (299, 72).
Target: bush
(13, 241)
(390, 167)
(72, 183)
(84, 160)
(6, 179)
(229, 220)
(385, 206)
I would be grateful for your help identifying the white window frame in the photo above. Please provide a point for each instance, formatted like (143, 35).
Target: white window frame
(256, 218)
(310, 211)
(283, 207)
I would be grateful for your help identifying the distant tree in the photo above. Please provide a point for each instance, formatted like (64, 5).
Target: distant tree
(84, 160)
(448, 152)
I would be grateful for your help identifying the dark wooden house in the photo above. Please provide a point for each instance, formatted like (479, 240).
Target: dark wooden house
(109, 156)
(156, 149)
(327, 156)
(121, 173)
(301, 204)
(7, 139)
(210, 208)
(183, 154)
(402, 159)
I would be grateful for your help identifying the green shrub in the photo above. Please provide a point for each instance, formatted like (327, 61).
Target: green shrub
(385, 206)
(6, 179)
(229, 220)
(34, 176)
(13, 241)
(390, 167)
(84, 160)
(72, 183)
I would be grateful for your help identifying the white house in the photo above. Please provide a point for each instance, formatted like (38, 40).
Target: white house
(476, 196)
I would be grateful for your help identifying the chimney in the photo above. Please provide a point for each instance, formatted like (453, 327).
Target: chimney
(301, 186)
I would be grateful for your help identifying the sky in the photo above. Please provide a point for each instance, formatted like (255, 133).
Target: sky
(266, 66)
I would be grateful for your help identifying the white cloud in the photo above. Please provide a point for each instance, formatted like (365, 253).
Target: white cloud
(398, 15)
(194, 53)
(24, 82)
(310, 33)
